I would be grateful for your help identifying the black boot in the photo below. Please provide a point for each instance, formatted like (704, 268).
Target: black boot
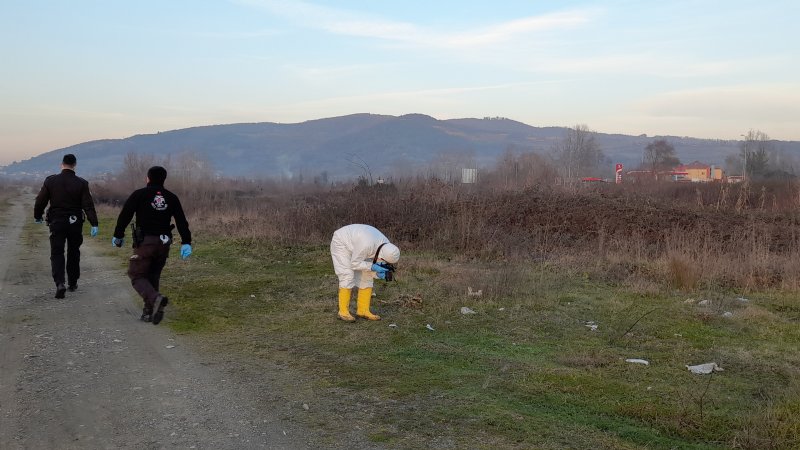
(159, 305)
(147, 314)
(60, 290)
(72, 287)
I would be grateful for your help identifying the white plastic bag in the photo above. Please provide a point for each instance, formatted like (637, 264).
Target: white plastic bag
(705, 369)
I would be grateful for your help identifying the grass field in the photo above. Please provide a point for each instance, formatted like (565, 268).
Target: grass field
(525, 371)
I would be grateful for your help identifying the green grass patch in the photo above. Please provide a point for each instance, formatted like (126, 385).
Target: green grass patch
(525, 371)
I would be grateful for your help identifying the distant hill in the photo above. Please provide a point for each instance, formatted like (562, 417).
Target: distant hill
(341, 146)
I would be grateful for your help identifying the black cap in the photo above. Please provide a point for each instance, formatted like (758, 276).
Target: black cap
(69, 160)
(157, 174)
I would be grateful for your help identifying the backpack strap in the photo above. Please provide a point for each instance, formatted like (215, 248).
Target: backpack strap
(377, 252)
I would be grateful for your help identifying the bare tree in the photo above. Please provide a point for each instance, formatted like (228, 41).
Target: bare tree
(578, 153)
(190, 174)
(659, 155)
(521, 170)
(359, 162)
(134, 169)
(755, 153)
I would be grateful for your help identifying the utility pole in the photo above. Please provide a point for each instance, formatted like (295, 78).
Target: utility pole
(744, 174)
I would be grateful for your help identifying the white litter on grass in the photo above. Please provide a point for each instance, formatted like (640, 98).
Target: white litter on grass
(704, 302)
(428, 326)
(501, 309)
(392, 325)
(743, 300)
(465, 310)
(705, 369)
(170, 346)
(727, 314)
(252, 296)
(591, 326)
(638, 361)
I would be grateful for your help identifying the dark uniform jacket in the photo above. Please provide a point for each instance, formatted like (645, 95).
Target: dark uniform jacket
(154, 207)
(68, 195)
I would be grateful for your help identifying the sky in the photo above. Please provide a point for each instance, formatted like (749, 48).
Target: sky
(79, 70)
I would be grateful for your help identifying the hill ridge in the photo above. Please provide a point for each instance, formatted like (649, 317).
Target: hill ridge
(384, 143)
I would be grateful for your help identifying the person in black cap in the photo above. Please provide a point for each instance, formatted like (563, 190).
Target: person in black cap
(69, 198)
(154, 208)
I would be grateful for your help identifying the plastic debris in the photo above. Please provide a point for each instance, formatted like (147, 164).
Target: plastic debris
(428, 326)
(170, 346)
(501, 309)
(743, 300)
(465, 310)
(638, 361)
(591, 326)
(392, 325)
(704, 302)
(727, 314)
(705, 369)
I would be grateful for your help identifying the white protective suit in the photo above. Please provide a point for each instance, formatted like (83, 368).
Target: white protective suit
(352, 249)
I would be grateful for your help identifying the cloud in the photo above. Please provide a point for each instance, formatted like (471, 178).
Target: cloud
(418, 95)
(233, 35)
(774, 102)
(632, 64)
(509, 30)
(336, 71)
(353, 23)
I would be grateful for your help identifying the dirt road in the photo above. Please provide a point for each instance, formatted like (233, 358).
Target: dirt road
(84, 372)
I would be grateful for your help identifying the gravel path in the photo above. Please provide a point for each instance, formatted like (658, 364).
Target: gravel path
(84, 372)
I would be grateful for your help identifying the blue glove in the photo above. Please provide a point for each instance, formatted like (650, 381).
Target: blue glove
(93, 231)
(380, 269)
(38, 221)
(117, 242)
(186, 250)
(381, 275)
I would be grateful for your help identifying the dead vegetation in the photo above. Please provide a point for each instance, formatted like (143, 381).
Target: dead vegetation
(683, 236)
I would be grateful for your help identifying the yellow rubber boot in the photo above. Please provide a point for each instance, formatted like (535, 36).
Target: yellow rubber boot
(362, 305)
(344, 305)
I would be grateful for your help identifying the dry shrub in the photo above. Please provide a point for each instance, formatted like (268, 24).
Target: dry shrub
(681, 273)
(668, 234)
(755, 314)
(776, 425)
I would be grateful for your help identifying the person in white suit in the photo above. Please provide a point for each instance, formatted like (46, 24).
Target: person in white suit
(360, 253)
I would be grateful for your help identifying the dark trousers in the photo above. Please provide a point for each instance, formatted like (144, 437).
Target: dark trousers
(145, 266)
(62, 232)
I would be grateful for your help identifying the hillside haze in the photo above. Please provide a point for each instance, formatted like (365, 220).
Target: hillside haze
(342, 147)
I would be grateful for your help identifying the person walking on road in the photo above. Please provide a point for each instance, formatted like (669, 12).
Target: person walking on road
(360, 254)
(154, 208)
(69, 198)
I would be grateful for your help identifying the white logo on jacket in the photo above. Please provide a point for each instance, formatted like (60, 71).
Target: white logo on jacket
(159, 202)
